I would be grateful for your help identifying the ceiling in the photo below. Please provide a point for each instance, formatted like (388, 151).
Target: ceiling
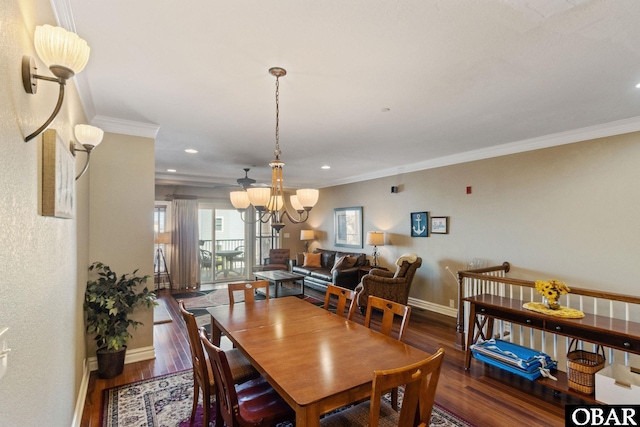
(373, 87)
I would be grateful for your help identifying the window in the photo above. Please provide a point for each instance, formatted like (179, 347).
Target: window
(219, 223)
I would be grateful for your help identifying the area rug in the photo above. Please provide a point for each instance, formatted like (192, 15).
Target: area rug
(197, 302)
(165, 401)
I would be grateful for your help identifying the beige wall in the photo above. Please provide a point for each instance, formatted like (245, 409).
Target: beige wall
(567, 212)
(43, 260)
(121, 212)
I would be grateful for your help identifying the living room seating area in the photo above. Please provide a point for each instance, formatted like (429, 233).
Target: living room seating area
(324, 267)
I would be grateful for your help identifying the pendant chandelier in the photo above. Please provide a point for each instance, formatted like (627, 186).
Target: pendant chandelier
(269, 202)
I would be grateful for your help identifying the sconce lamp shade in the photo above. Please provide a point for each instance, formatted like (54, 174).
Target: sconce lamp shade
(58, 47)
(239, 199)
(375, 238)
(88, 135)
(308, 197)
(163, 238)
(307, 235)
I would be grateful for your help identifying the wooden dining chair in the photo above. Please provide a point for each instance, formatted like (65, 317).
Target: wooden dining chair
(420, 381)
(390, 309)
(346, 300)
(203, 378)
(252, 403)
(249, 289)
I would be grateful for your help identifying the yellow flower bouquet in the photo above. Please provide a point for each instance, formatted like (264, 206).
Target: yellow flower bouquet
(551, 290)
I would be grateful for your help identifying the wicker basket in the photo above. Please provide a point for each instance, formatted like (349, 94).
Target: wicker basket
(582, 367)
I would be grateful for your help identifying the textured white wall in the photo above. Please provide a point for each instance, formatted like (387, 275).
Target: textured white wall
(568, 212)
(40, 285)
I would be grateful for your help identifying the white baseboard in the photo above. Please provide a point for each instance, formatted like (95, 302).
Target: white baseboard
(133, 355)
(82, 395)
(437, 308)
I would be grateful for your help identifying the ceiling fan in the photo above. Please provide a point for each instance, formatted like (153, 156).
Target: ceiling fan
(246, 182)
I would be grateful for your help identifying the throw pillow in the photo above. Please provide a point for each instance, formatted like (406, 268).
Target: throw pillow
(299, 259)
(343, 263)
(312, 260)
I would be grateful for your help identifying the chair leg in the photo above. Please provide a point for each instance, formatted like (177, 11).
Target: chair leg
(196, 393)
(206, 407)
(394, 398)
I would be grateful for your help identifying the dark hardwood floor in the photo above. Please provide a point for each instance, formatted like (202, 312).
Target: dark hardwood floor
(485, 396)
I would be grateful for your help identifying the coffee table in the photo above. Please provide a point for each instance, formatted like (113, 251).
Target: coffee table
(278, 276)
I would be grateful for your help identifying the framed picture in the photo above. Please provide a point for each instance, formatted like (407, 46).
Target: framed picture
(419, 224)
(440, 225)
(58, 177)
(347, 224)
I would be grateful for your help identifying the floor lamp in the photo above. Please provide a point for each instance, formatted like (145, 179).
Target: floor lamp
(161, 240)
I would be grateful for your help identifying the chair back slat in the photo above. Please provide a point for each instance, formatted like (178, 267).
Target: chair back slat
(249, 290)
(345, 300)
(390, 310)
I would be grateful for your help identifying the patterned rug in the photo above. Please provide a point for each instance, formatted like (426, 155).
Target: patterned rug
(165, 401)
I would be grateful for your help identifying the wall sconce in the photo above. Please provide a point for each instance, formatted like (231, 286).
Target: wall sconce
(64, 53)
(307, 235)
(89, 137)
(375, 239)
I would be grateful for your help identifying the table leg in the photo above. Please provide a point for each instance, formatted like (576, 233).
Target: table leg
(216, 334)
(303, 286)
(307, 417)
(275, 286)
(470, 334)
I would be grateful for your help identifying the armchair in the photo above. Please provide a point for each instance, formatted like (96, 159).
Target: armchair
(388, 285)
(278, 260)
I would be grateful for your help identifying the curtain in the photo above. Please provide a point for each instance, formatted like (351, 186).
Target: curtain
(185, 259)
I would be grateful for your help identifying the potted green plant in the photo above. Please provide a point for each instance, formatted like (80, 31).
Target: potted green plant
(108, 303)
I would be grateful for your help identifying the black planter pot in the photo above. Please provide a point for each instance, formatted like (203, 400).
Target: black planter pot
(110, 363)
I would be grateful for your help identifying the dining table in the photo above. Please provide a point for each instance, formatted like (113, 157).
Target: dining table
(316, 360)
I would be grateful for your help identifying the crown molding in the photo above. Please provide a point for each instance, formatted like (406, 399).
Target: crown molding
(618, 127)
(126, 127)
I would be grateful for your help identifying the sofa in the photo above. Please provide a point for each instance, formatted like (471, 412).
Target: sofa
(336, 267)
(394, 286)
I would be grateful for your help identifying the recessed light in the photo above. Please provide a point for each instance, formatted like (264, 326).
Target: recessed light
(171, 170)
(326, 167)
(190, 151)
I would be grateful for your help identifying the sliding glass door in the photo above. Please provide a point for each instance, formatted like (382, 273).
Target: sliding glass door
(223, 245)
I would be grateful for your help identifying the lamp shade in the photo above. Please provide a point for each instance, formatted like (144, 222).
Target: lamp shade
(239, 199)
(163, 238)
(259, 196)
(307, 235)
(88, 135)
(275, 203)
(375, 238)
(59, 47)
(308, 197)
(295, 203)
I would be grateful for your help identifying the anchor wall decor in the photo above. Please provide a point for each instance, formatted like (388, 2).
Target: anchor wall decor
(420, 224)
